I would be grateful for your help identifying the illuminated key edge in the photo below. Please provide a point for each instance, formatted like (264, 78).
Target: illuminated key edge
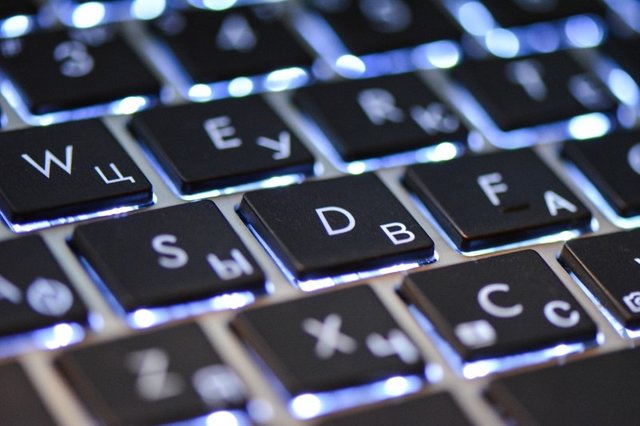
(146, 317)
(124, 106)
(488, 366)
(310, 285)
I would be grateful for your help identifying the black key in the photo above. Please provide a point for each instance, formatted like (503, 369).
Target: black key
(386, 115)
(69, 169)
(35, 292)
(503, 305)
(329, 341)
(181, 253)
(366, 26)
(495, 199)
(612, 164)
(607, 265)
(168, 375)
(220, 144)
(436, 409)
(20, 403)
(336, 226)
(534, 90)
(216, 46)
(588, 392)
(510, 13)
(74, 69)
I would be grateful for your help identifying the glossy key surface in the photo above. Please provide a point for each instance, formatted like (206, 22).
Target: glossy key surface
(438, 408)
(495, 199)
(380, 116)
(221, 144)
(534, 90)
(60, 70)
(591, 391)
(612, 164)
(366, 26)
(158, 377)
(20, 403)
(65, 170)
(36, 293)
(215, 46)
(499, 306)
(329, 341)
(182, 253)
(336, 226)
(607, 265)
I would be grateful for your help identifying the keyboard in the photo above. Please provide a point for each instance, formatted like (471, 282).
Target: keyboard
(319, 212)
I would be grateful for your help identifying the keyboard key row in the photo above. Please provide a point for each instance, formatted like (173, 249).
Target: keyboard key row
(346, 339)
(148, 379)
(516, 196)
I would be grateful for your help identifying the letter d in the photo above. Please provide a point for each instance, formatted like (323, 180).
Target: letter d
(335, 231)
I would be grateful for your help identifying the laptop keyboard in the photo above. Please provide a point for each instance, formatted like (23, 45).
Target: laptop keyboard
(318, 212)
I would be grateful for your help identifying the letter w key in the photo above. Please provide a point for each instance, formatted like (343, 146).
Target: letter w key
(334, 227)
(69, 169)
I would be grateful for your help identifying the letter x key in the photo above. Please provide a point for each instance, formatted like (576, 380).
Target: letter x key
(329, 341)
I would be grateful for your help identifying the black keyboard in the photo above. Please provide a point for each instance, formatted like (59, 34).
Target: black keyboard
(319, 212)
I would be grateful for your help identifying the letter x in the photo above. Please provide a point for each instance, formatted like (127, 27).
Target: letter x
(329, 336)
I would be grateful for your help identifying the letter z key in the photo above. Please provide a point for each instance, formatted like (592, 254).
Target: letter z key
(66, 170)
(336, 226)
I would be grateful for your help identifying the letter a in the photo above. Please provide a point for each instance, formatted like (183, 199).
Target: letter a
(327, 226)
(556, 202)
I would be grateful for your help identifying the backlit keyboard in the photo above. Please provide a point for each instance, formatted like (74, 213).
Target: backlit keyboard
(319, 212)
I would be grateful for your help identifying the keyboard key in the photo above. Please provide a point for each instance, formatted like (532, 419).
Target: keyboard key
(607, 265)
(366, 26)
(69, 169)
(216, 46)
(510, 13)
(20, 403)
(221, 144)
(336, 226)
(499, 306)
(386, 115)
(612, 164)
(181, 253)
(167, 375)
(534, 90)
(590, 391)
(74, 69)
(496, 199)
(439, 409)
(34, 291)
(329, 341)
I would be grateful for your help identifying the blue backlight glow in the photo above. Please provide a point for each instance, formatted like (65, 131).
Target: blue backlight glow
(16, 26)
(311, 405)
(88, 15)
(584, 31)
(484, 367)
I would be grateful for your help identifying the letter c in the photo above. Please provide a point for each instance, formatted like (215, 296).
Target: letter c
(493, 309)
(550, 311)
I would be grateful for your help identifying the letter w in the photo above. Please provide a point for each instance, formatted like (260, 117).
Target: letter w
(50, 158)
